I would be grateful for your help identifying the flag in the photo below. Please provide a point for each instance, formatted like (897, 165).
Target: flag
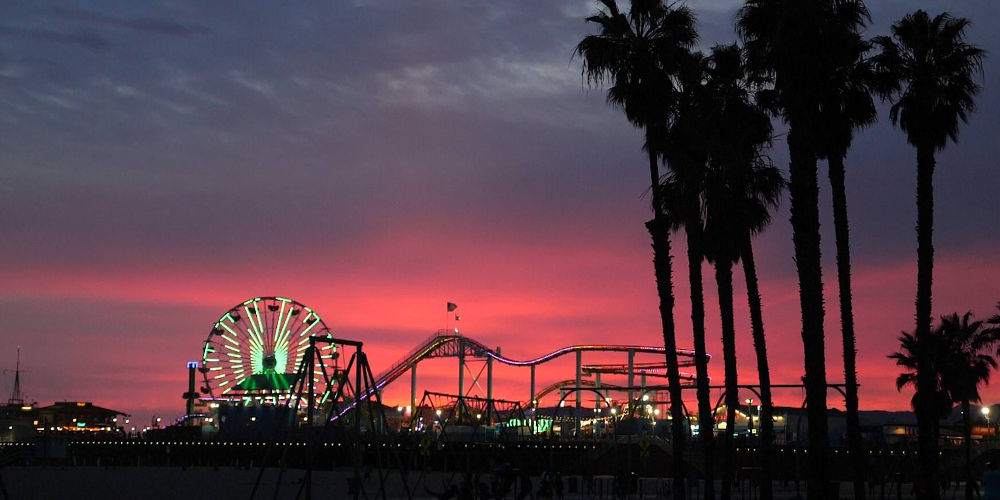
(452, 307)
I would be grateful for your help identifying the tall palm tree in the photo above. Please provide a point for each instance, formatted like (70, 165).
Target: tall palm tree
(793, 44)
(969, 364)
(930, 71)
(958, 353)
(686, 153)
(637, 53)
(741, 189)
(847, 105)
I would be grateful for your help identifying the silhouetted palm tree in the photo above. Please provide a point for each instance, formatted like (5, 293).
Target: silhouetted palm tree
(741, 189)
(969, 364)
(930, 71)
(686, 153)
(792, 43)
(636, 53)
(847, 105)
(958, 353)
(912, 350)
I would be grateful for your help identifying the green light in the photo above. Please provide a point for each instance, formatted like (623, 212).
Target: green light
(212, 360)
(253, 327)
(233, 332)
(277, 328)
(314, 323)
(227, 346)
(217, 377)
(208, 349)
(260, 323)
(215, 368)
(81, 424)
(224, 382)
(280, 359)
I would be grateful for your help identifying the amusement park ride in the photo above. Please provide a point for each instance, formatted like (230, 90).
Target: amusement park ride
(269, 351)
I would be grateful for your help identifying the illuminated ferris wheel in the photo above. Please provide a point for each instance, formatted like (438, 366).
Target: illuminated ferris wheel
(254, 350)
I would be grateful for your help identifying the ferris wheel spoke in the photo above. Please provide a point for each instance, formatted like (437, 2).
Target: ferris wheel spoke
(278, 325)
(260, 323)
(254, 334)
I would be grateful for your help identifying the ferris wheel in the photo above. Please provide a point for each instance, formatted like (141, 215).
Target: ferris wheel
(254, 350)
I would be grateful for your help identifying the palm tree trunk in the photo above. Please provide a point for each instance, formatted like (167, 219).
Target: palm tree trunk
(967, 429)
(724, 281)
(804, 194)
(659, 230)
(927, 415)
(841, 228)
(766, 428)
(695, 257)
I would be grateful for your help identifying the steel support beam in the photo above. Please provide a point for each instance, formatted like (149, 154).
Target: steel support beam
(631, 378)
(489, 376)
(461, 368)
(413, 389)
(579, 371)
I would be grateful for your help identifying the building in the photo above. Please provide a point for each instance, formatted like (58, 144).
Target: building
(77, 417)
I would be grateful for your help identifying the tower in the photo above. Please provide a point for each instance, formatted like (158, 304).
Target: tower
(16, 398)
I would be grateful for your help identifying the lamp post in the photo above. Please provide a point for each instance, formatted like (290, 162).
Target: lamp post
(986, 413)
(749, 402)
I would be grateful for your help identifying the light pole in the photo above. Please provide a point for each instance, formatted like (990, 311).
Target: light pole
(749, 402)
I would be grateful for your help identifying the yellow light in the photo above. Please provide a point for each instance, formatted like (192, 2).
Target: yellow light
(81, 403)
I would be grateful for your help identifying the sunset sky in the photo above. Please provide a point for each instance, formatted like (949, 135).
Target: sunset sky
(161, 162)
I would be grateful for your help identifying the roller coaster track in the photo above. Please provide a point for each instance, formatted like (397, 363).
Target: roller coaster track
(447, 344)
(686, 379)
(444, 343)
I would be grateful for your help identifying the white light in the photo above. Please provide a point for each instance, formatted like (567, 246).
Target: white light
(985, 410)
(645, 397)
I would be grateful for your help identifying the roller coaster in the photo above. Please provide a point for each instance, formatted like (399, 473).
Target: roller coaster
(444, 343)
